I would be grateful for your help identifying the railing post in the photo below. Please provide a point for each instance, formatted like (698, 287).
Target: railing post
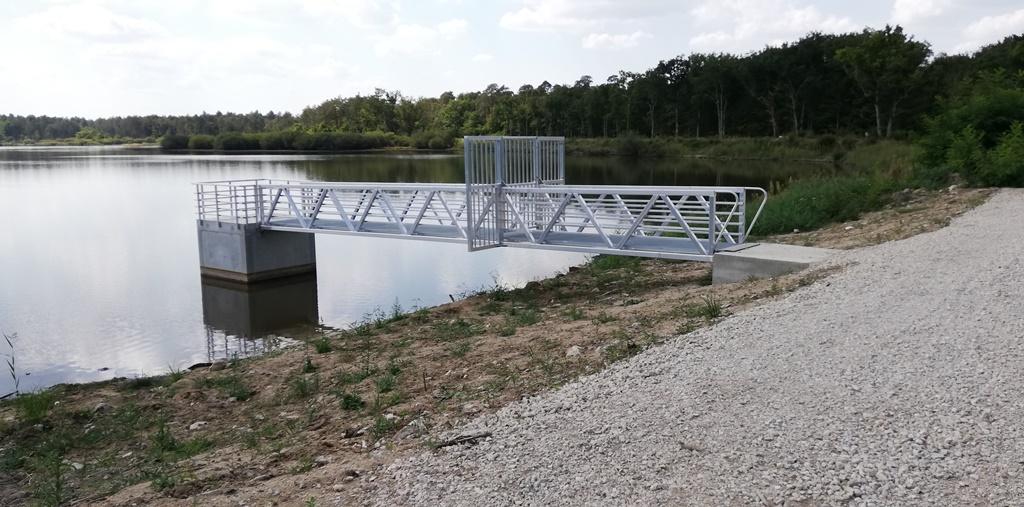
(561, 160)
(259, 201)
(712, 228)
(741, 205)
(499, 190)
(199, 201)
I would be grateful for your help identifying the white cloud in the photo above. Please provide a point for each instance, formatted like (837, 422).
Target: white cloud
(614, 41)
(413, 39)
(909, 11)
(991, 29)
(579, 15)
(89, 20)
(483, 57)
(742, 25)
(361, 13)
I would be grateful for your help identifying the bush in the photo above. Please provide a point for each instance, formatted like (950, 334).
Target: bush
(968, 131)
(233, 141)
(200, 142)
(173, 142)
(284, 140)
(965, 153)
(814, 202)
(1006, 162)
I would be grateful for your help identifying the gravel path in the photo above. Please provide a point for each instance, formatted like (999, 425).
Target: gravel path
(899, 380)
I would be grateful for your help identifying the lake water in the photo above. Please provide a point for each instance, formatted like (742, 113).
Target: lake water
(99, 270)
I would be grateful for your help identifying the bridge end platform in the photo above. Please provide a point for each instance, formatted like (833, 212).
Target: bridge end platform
(246, 253)
(763, 260)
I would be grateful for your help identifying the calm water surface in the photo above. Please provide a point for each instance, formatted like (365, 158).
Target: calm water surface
(99, 273)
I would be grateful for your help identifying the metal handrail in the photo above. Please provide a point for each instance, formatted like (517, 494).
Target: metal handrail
(608, 218)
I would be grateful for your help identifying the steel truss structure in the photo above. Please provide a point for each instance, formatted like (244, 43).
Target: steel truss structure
(514, 196)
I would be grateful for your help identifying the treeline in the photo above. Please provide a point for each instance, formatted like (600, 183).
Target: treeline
(881, 83)
(35, 128)
(295, 140)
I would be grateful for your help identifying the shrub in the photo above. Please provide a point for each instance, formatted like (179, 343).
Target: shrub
(967, 128)
(173, 142)
(322, 345)
(233, 141)
(34, 407)
(283, 140)
(1006, 162)
(350, 401)
(200, 142)
(813, 202)
(966, 153)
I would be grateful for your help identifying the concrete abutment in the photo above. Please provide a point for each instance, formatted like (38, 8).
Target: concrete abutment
(246, 253)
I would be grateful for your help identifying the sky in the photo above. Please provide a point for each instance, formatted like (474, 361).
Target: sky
(96, 58)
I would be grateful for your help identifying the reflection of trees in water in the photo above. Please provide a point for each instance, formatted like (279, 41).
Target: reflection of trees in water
(221, 345)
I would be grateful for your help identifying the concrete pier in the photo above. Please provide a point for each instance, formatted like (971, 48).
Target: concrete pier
(763, 260)
(245, 253)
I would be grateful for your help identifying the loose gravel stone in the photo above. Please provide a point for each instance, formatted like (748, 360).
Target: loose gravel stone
(899, 380)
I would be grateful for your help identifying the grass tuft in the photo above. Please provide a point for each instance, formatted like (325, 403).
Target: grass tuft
(322, 345)
(34, 407)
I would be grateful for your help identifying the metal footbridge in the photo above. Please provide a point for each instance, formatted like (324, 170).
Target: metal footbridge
(514, 196)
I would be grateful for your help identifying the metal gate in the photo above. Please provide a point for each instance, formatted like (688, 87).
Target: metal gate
(494, 162)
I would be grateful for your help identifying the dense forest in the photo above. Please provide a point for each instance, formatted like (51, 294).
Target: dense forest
(881, 83)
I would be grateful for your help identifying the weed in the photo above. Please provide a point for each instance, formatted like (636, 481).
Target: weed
(604, 318)
(303, 386)
(34, 407)
(498, 290)
(355, 377)
(168, 448)
(323, 345)
(164, 480)
(310, 502)
(308, 366)
(386, 383)
(712, 307)
(163, 440)
(388, 400)
(394, 367)
(352, 401)
(455, 329)
(49, 480)
(506, 330)
(460, 348)
(709, 308)
(143, 382)
(232, 386)
(610, 262)
(397, 313)
(574, 313)
(304, 465)
(382, 426)
(623, 347)
(685, 328)
(174, 374)
(525, 317)
(11, 360)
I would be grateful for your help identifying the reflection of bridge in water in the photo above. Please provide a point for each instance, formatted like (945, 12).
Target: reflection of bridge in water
(514, 196)
(242, 320)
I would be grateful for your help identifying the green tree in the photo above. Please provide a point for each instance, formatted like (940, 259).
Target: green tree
(886, 64)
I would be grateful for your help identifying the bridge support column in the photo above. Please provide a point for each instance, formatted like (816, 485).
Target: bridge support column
(245, 253)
